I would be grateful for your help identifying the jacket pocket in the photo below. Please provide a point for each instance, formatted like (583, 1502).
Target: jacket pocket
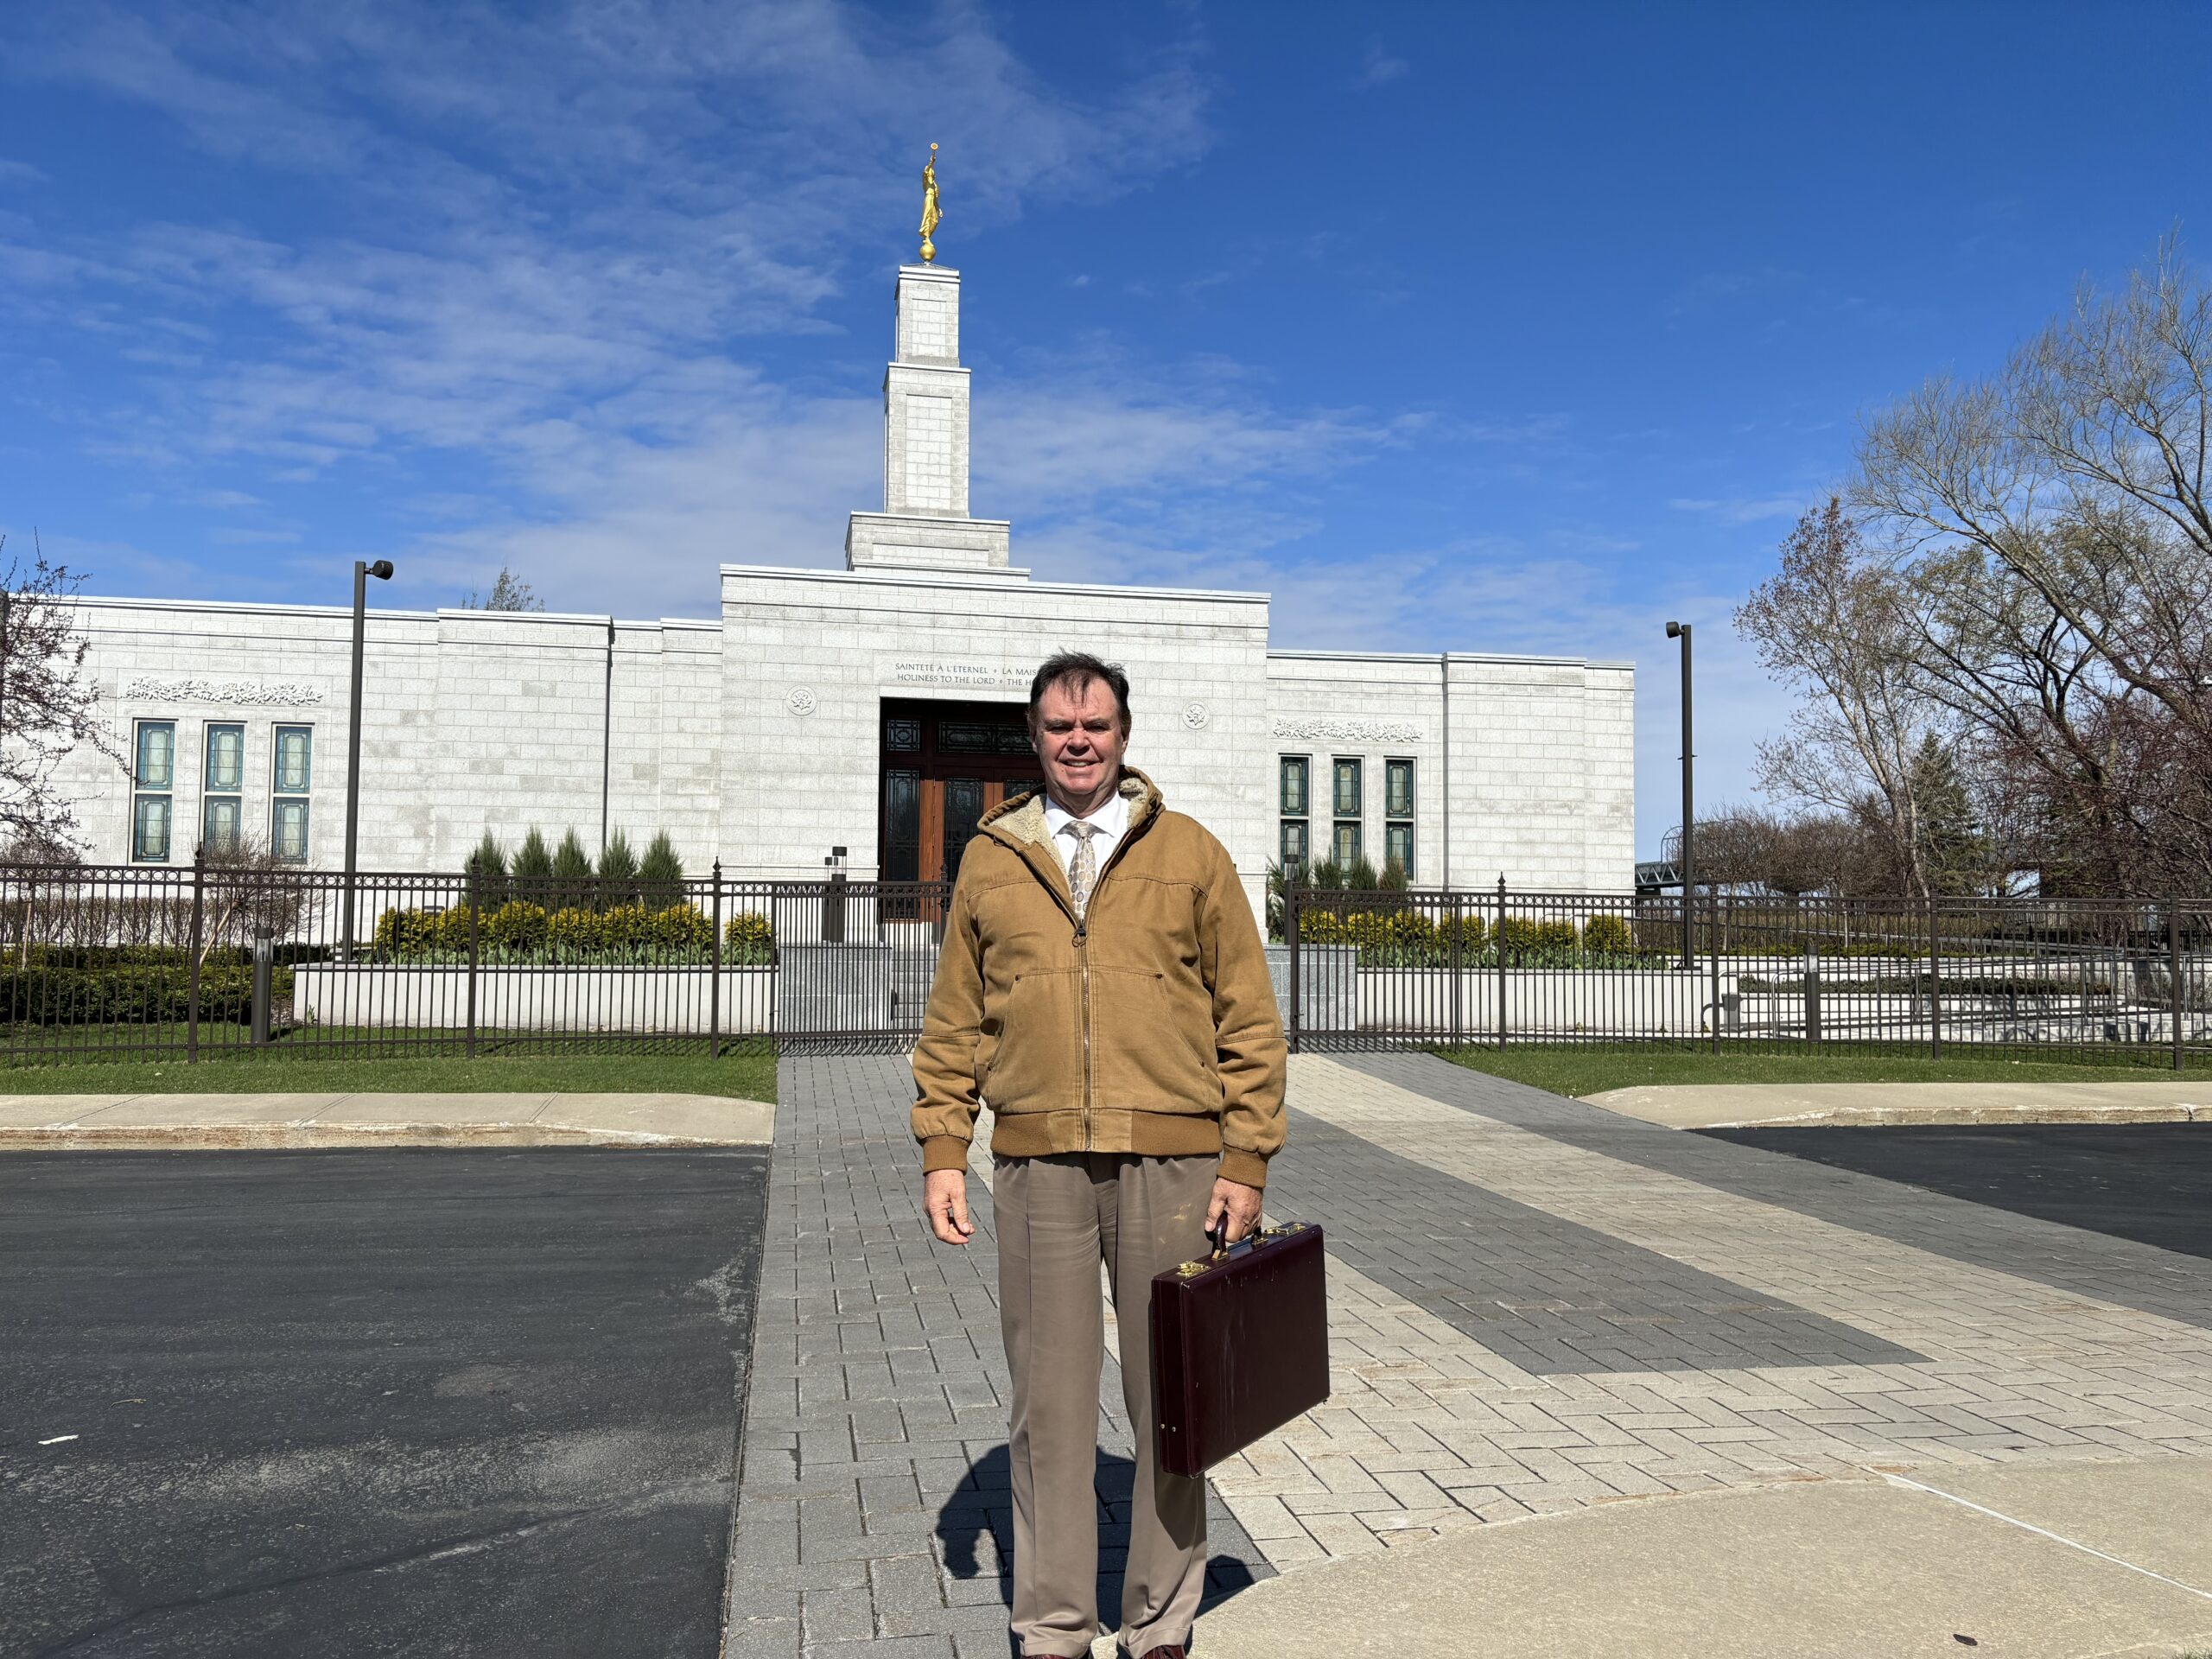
(1036, 1065)
(1146, 1055)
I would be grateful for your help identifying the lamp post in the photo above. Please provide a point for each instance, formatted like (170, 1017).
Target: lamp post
(362, 571)
(1681, 631)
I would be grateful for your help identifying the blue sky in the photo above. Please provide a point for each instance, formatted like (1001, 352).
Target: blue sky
(1482, 327)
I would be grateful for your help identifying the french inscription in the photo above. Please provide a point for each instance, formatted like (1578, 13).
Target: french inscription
(248, 694)
(1327, 730)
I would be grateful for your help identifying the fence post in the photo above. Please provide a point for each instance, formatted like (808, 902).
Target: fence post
(264, 952)
(1459, 1015)
(1935, 985)
(2173, 971)
(1290, 939)
(714, 973)
(475, 952)
(198, 921)
(1497, 939)
(1713, 922)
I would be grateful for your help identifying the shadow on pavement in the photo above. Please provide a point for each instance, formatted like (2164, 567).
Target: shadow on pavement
(982, 1505)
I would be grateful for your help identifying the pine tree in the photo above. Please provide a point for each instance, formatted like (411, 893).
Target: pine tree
(660, 873)
(532, 869)
(486, 869)
(572, 871)
(618, 871)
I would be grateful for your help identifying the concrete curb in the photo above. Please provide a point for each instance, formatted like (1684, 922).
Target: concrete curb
(248, 1122)
(254, 1137)
(1886, 1105)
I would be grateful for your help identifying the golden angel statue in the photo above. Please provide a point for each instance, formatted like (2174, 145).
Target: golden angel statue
(931, 217)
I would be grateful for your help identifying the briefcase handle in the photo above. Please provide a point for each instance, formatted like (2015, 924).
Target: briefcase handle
(1223, 1250)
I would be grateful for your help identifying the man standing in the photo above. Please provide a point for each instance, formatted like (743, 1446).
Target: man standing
(1103, 987)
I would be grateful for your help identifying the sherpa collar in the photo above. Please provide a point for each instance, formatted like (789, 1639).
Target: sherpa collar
(1022, 819)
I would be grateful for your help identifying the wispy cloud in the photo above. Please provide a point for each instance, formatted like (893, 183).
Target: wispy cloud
(1379, 67)
(14, 171)
(1743, 509)
(568, 271)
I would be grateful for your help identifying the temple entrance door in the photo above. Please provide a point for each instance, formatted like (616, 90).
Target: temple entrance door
(945, 765)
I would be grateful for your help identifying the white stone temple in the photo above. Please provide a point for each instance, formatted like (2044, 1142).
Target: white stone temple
(875, 709)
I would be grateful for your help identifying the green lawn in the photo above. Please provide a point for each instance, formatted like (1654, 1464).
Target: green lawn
(1593, 1071)
(746, 1070)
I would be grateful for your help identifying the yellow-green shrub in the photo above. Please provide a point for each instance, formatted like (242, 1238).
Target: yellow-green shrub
(1558, 936)
(573, 931)
(625, 928)
(453, 931)
(1609, 935)
(517, 925)
(682, 930)
(405, 932)
(1516, 933)
(749, 937)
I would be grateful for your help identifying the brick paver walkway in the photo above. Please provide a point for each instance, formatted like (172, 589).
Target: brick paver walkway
(873, 1502)
(1535, 1305)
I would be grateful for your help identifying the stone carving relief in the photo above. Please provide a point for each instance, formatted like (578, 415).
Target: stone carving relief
(249, 693)
(1195, 716)
(1324, 729)
(801, 701)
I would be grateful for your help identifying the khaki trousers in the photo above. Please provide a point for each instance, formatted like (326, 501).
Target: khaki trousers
(1059, 1217)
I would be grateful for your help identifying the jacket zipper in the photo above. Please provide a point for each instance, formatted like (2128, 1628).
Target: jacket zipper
(1083, 954)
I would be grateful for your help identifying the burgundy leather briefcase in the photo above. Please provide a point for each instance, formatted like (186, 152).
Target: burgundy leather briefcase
(1240, 1346)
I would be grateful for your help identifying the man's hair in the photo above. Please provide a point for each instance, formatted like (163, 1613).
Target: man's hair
(1076, 669)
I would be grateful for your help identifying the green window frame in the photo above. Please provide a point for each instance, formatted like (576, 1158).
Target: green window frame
(1346, 848)
(1398, 788)
(155, 766)
(222, 770)
(288, 828)
(1297, 775)
(1296, 848)
(153, 776)
(149, 829)
(1398, 846)
(291, 773)
(292, 760)
(1346, 792)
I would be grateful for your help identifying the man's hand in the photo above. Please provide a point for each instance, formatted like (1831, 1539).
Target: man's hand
(944, 1201)
(1237, 1202)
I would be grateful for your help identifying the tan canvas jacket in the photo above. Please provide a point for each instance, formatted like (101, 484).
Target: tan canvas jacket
(1148, 1028)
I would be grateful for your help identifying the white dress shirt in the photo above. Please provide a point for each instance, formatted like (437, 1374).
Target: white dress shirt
(1112, 819)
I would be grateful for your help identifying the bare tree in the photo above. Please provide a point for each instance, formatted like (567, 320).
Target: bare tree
(2050, 532)
(1832, 622)
(47, 708)
(509, 592)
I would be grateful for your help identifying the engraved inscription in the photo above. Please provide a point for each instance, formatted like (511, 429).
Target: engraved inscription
(249, 693)
(1325, 730)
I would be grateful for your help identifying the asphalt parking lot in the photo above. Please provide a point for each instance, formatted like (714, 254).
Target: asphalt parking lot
(393, 1402)
(2149, 1182)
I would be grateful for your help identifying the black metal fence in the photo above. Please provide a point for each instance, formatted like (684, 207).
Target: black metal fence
(2057, 979)
(131, 961)
(128, 962)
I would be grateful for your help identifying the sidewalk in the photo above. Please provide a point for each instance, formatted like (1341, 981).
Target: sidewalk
(1747, 1105)
(123, 1123)
(1666, 1361)
(2100, 1558)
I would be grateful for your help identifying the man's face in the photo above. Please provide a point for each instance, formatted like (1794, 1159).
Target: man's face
(1080, 739)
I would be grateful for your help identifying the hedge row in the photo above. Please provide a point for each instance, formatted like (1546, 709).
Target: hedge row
(521, 932)
(131, 995)
(1412, 939)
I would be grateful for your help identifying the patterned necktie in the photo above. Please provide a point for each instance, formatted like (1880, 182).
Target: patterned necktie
(1083, 868)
